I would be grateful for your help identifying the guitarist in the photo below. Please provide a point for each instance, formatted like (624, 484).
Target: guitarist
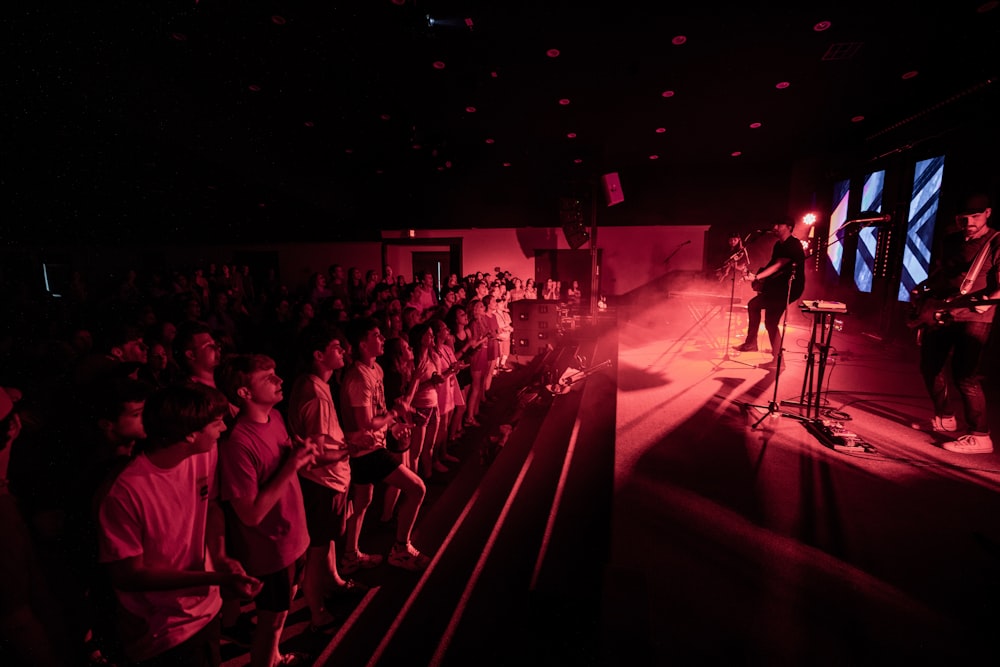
(961, 332)
(778, 284)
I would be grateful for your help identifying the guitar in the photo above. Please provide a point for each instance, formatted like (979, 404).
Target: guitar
(566, 383)
(926, 311)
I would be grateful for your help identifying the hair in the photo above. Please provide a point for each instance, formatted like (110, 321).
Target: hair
(108, 398)
(173, 413)
(234, 373)
(186, 331)
(451, 317)
(356, 331)
(393, 357)
(416, 335)
(317, 335)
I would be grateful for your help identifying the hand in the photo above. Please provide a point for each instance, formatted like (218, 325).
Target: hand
(243, 585)
(303, 453)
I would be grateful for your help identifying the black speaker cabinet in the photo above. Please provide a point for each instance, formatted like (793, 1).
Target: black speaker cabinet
(536, 324)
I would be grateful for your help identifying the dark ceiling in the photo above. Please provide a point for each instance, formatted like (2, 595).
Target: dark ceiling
(187, 119)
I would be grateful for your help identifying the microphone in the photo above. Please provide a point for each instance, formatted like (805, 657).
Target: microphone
(870, 220)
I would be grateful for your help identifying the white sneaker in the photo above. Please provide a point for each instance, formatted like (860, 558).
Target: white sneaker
(946, 424)
(971, 444)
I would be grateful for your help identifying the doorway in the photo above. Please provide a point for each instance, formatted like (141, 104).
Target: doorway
(567, 266)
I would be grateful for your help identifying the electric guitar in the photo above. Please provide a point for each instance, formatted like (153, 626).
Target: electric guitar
(565, 384)
(926, 311)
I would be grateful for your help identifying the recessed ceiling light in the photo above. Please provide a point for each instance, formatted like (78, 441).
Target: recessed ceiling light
(470, 109)
(438, 64)
(678, 40)
(577, 160)
(667, 93)
(278, 20)
(857, 119)
(564, 101)
(490, 141)
(309, 123)
(781, 85)
(909, 75)
(385, 116)
(654, 157)
(736, 153)
(416, 147)
(506, 164)
(552, 53)
(754, 126)
(660, 130)
(178, 36)
(571, 135)
(254, 87)
(821, 26)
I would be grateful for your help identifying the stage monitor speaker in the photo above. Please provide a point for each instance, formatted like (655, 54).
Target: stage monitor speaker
(536, 325)
(612, 189)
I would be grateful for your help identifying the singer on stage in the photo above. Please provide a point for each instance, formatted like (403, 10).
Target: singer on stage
(777, 284)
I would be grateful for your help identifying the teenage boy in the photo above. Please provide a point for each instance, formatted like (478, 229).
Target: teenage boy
(312, 414)
(366, 419)
(259, 467)
(161, 534)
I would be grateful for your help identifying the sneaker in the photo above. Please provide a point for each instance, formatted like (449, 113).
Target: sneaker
(408, 558)
(971, 444)
(350, 590)
(746, 347)
(351, 563)
(938, 424)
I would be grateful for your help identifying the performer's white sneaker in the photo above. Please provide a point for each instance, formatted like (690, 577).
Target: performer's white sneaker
(971, 444)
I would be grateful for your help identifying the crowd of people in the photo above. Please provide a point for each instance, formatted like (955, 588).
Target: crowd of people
(156, 477)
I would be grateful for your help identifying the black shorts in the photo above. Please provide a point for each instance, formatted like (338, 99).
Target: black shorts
(327, 512)
(372, 468)
(276, 593)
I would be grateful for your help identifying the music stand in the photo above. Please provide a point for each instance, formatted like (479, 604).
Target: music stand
(732, 301)
(774, 406)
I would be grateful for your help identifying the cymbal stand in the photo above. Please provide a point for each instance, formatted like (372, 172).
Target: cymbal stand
(774, 406)
(732, 301)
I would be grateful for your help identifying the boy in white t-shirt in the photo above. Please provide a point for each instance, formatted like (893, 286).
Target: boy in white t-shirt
(162, 533)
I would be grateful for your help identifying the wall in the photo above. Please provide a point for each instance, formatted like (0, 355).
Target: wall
(631, 256)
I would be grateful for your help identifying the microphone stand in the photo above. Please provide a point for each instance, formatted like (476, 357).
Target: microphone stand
(774, 406)
(732, 300)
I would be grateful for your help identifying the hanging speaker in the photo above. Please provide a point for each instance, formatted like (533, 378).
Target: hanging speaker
(576, 234)
(612, 189)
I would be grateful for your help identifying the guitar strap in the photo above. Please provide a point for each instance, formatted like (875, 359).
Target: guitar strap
(977, 265)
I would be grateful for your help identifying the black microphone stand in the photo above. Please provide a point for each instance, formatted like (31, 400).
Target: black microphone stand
(731, 263)
(774, 406)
